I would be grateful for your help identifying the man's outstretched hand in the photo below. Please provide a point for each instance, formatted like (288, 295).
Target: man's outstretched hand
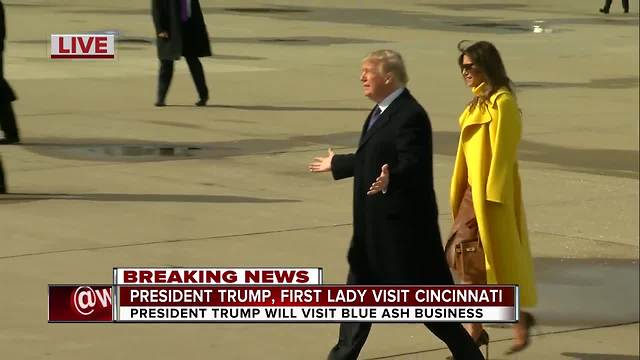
(381, 182)
(322, 164)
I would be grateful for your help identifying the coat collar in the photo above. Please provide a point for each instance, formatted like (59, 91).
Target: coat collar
(480, 113)
(483, 88)
(384, 117)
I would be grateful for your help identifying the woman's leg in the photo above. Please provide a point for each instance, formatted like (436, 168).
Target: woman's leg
(522, 332)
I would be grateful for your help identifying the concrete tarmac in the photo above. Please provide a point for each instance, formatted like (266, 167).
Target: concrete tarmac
(104, 179)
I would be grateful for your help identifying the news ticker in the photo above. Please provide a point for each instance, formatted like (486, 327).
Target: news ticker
(256, 295)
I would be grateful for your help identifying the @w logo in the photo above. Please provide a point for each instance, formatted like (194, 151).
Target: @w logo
(86, 300)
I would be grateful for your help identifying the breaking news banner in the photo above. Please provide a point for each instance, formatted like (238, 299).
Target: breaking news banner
(186, 295)
(80, 303)
(93, 303)
(213, 276)
(83, 46)
(320, 303)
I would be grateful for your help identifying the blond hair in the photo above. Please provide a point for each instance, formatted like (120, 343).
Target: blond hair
(389, 61)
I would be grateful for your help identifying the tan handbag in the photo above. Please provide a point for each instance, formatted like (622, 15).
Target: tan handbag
(463, 249)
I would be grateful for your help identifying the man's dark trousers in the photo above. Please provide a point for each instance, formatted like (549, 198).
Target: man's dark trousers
(197, 73)
(353, 336)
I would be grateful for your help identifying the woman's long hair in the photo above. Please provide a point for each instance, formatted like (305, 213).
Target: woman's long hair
(486, 59)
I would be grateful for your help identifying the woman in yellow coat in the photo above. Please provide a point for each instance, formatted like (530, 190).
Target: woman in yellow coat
(486, 161)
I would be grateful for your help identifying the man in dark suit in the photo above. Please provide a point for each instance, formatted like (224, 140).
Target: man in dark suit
(7, 116)
(181, 32)
(396, 239)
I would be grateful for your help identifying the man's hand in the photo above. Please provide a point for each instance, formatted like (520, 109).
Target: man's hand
(381, 182)
(163, 35)
(322, 164)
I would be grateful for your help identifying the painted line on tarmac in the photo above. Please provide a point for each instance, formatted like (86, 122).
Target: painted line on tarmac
(52, 252)
(582, 238)
(508, 339)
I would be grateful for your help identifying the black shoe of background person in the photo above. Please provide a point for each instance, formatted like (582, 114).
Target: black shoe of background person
(202, 102)
(160, 103)
(3, 186)
(604, 11)
(7, 141)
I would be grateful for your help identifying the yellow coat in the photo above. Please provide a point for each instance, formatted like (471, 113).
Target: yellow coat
(487, 160)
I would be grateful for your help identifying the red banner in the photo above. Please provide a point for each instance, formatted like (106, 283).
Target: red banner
(323, 295)
(80, 303)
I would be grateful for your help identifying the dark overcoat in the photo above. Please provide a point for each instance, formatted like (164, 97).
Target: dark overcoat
(185, 39)
(395, 239)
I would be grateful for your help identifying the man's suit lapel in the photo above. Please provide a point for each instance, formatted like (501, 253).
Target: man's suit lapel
(383, 120)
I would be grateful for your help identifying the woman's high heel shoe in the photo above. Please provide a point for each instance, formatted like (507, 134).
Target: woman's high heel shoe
(528, 321)
(483, 339)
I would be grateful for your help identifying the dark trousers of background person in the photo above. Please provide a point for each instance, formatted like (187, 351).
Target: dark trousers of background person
(625, 5)
(8, 122)
(3, 185)
(7, 116)
(197, 73)
(353, 336)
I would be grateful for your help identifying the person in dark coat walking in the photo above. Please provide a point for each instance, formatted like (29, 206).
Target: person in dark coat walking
(607, 6)
(396, 240)
(7, 116)
(181, 31)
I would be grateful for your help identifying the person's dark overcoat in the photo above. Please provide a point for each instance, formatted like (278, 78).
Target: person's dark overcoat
(189, 39)
(396, 239)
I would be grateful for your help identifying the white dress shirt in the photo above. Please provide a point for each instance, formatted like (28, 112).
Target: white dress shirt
(384, 104)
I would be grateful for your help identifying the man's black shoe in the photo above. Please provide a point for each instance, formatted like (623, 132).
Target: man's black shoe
(9, 141)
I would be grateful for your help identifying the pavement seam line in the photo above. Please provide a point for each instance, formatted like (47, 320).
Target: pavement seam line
(174, 241)
(581, 238)
(510, 338)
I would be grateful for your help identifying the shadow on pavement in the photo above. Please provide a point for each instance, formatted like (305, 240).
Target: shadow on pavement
(587, 292)
(608, 162)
